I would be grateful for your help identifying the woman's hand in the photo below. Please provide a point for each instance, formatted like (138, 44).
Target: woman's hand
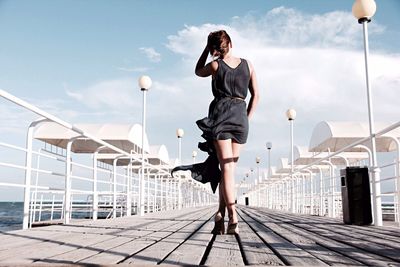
(202, 69)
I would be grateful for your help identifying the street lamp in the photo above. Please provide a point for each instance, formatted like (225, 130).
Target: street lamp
(269, 147)
(258, 160)
(179, 134)
(364, 10)
(291, 115)
(194, 155)
(144, 85)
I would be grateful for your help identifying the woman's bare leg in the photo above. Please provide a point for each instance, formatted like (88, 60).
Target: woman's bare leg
(222, 204)
(228, 153)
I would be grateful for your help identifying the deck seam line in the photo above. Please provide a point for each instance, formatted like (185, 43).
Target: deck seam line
(239, 240)
(186, 239)
(266, 243)
(320, 244)
(316, 242)
(121, 261)
(342, 242)
(207, 250)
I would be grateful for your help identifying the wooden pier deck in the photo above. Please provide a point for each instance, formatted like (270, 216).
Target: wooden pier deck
(183, 238)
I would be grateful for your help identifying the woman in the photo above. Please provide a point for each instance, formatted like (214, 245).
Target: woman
(227, 122)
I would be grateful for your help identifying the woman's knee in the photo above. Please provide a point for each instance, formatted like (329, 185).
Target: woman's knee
(227, 167)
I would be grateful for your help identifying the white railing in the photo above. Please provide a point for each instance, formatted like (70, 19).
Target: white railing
(320, 193)
(59, 188)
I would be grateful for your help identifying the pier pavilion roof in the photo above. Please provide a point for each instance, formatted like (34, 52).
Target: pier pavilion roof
(158, 156)
(302, 156)
(124, 136)
(337, 135)
(284, 168)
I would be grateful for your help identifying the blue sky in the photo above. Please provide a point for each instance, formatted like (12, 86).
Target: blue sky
(81, 59)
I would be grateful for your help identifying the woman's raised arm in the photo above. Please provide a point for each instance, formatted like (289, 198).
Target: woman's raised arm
(203, 69)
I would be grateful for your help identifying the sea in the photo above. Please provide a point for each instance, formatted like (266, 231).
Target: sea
(11, 214)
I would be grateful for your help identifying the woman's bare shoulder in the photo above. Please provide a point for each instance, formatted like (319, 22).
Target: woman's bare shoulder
(250, 65)
(214, 65)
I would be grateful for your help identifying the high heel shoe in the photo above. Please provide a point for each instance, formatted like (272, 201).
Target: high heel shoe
(219, 227)
(233, 229)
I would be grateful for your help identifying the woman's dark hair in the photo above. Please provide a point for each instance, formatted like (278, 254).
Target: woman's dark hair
(218, 41)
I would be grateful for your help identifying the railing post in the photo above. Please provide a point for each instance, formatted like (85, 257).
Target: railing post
(397, 180)
(52, 208)
(28, 171)
(67, 190)
(129, 189)
(147, 174)
(321, 197)
(95, 199)
(162, 194)
(115, 187)
(155, 193)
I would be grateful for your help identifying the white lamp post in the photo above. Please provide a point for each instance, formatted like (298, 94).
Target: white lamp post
(179, 134)
(364, 10)
(291, 115)
(258, 159)
(194, 155)
(144, 85)
(269, 147)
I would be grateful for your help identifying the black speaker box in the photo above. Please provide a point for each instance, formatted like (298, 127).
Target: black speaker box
(356, 196)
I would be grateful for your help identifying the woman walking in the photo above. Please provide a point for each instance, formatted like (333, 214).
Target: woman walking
(227, 122)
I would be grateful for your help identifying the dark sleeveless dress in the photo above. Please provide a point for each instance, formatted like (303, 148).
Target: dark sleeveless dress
(227, 115)
(227, 119)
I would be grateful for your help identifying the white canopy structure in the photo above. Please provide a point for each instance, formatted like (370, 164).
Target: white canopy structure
(283, 166)
(334, 136)
(158, 156)
(124, 136)
(303, 157)
(275, 175)
(283, 170)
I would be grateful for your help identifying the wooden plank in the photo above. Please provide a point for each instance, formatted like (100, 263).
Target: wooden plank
(120, 253)
(50, 248)
(254, 249)
(28, 238)
(363, 232)
(324, 237)
(387, 231)
(192, 251)
(288, 252)
(304, 242)
(359, 241)
(76, 255)
(225, 251)
(344, 234)
(79, 253)
(69, 243)
(373, 259)
(357, 249)
(116, 253)
(157, 252)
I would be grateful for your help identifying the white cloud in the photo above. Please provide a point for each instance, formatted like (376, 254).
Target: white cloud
(151, 54)
(136, 69)
(116, 95)
(313, 63)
